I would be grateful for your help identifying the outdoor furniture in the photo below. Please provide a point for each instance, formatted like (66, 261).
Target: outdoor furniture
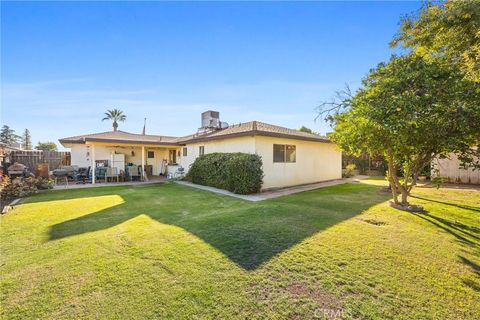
(60, 175)
(111, 173)
(83, 174)
(17, 170)
(179, 173)
(71, 172)
(100, 173)
(133, 173)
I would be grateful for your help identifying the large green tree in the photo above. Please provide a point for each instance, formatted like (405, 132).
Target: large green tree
(115, 115)
(305, 129)
(27, 140)
(8, 136)
(446, 30)
(46, 146)
(409, 110)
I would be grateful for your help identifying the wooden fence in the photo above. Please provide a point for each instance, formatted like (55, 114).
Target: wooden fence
(32, 158)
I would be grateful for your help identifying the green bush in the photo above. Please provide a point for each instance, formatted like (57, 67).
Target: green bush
(348, 171)
(237, 172)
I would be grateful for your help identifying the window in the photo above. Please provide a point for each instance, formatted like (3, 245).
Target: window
(290, 153)
(284, 153)
(150, 154)
(278, 153)
(201, 150)
(185, 151)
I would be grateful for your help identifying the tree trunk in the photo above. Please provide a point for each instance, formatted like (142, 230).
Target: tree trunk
(391, 178)
(115, 125)
(404, 197)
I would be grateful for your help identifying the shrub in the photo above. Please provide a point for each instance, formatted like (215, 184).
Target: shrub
(349, 169)
(22, 187)
(44, 183)
(237, 172)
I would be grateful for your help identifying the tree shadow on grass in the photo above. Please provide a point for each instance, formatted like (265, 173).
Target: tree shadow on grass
(460, 206)
(475, 285)
(248, 233)
(458, 230)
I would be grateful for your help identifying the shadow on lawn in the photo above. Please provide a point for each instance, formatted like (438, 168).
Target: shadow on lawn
(475, 285)
(465, 234)
(247, 233)
(460, 206)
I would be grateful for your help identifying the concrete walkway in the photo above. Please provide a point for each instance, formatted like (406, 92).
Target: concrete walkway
(274, 193)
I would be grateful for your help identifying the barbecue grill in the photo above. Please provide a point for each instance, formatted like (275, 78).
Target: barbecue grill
(60, 174)
(17, 170)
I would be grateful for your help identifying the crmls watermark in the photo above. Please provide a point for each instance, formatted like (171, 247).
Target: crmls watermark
(326, 313)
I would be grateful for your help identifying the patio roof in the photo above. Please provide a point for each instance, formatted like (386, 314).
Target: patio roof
(121, 137)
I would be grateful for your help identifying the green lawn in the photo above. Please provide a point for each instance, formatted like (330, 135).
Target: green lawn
(172, 252)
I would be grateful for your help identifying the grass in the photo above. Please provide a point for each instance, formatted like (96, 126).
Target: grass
(169, 251)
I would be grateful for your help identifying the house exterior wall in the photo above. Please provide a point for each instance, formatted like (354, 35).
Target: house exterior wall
(240, 144)
(315, 161)
(450, 168)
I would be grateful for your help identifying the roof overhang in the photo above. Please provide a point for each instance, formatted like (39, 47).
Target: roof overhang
(113, 141)
(255, 133)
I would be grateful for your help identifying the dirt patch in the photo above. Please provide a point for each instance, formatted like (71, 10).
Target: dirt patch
(326, 300)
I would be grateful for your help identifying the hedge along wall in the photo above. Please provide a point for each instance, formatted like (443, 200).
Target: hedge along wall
(237, 172)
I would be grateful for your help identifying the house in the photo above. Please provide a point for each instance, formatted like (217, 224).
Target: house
(290, 157)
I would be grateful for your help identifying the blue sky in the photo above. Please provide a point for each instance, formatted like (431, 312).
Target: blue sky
(64, 63)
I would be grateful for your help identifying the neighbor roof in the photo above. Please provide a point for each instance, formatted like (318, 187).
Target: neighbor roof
(121, 137)
(253, 128)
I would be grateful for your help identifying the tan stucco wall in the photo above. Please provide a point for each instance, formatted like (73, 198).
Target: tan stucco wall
(240, 144)
(450, 168)
(315, 161)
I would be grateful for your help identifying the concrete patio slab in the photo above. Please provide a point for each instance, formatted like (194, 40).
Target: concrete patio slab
(274, 193)
(73, 185)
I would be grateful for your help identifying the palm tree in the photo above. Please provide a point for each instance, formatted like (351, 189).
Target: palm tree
(115, 115)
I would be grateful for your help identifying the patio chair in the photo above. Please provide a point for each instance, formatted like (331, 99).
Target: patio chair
(100, 173)
(111, 173)
(133, 173)
(83, 174)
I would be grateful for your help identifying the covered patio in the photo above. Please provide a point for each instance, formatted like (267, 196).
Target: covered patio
(123, 157)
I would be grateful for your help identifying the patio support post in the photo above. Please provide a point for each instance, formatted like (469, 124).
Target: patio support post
(92, 157)
(143, 163)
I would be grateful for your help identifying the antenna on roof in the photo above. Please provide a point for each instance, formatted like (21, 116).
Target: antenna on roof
(144, 123)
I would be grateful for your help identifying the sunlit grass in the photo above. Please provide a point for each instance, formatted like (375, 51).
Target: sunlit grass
(171, 252)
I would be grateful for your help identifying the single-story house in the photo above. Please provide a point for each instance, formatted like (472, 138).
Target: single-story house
(290, 157)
